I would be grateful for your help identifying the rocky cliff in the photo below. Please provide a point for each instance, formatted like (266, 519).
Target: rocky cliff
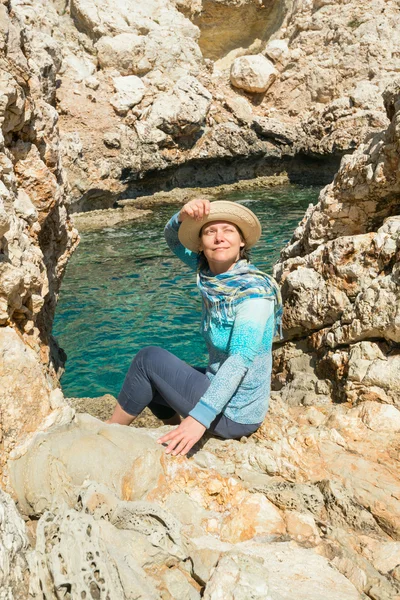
(308, 507)
(36, 236)
(202, 92)
(340, 278)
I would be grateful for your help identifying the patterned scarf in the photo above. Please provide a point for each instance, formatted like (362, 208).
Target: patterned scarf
(221, 293)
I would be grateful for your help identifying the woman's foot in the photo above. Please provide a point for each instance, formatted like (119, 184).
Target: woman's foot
(121, 417)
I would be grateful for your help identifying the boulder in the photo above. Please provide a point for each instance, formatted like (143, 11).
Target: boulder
(124, 52)
(276, 50)
(253, 73)
(183, 111)
(129, 92)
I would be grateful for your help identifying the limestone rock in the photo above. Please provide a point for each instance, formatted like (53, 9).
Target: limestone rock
(275, 130)
(241, 108)
(253, 74)
(115, 515)
(123, 52)
(25, 398)
(129, 92)
(14, 547)
(183, 111)
(337, 251)
(255, 516)
(72, 552)
(278, 571)
(366, 95)
(333, 103)
(62, 451)
(276, 50)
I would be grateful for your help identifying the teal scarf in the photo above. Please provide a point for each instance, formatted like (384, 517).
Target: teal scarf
(221, 293)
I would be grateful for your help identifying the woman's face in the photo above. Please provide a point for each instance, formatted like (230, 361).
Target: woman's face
(221, 242)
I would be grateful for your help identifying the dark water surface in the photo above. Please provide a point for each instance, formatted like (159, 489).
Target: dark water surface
(124, 289)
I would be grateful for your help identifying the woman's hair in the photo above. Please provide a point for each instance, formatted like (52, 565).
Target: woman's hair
(244, 253)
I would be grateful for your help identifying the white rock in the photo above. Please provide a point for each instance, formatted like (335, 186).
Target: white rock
(82, 67)
(92, 82)
(379, 417)
(184, 110)
(253, 73)
(387, 556)
(129, 92)
(276, 50)
(279, 571)
(24, 207)
(13, 548)
(121, 52)
(254, 516)
(366, 95)
(240, 107)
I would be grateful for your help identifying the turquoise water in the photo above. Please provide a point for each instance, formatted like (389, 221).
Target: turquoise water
(124, 290)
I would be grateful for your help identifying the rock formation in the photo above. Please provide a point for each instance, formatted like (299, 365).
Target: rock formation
(147, 98)
(36, 236)
(340, 279)
(309, 506)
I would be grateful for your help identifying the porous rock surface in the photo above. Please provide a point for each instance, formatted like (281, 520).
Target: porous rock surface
(147, 98)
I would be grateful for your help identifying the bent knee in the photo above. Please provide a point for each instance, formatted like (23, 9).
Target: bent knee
(149, 355)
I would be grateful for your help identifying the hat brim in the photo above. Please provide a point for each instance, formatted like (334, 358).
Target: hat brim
(221, 210)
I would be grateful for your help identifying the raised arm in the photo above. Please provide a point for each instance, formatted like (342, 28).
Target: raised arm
(252, 317)
(194, 209)
(171, 237)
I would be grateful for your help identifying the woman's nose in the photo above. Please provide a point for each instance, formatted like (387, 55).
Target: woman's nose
(219, 236)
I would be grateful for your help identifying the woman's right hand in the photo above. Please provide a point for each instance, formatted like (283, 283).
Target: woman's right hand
(195, 209)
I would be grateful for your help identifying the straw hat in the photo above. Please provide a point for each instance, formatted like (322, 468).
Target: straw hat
(221, 210)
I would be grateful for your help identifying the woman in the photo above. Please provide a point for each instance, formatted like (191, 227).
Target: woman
(241, 310)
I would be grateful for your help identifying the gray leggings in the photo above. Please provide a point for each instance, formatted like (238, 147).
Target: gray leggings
(168, 385)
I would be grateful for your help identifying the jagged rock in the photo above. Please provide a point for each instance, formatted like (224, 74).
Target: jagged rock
(372, 374)
(253, 74)
(241, 108)
(330, 102)
(36, 235)
(276, 50)
(14, 546)
(182, 112)
(366, 95)
(302, 527)
(340, 270)
(254, 516)
(124, 52)
(129, 92)
(325, 474)
(274, 130)
(278, 571)
(74, 552)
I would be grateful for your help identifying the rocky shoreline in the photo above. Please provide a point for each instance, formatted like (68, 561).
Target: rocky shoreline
(131, 209)
(309, 506)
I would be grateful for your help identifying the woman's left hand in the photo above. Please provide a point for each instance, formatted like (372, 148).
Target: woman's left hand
(184, 437)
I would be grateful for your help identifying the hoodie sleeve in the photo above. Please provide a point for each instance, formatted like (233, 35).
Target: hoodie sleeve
(253, 317)
(171, 237)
